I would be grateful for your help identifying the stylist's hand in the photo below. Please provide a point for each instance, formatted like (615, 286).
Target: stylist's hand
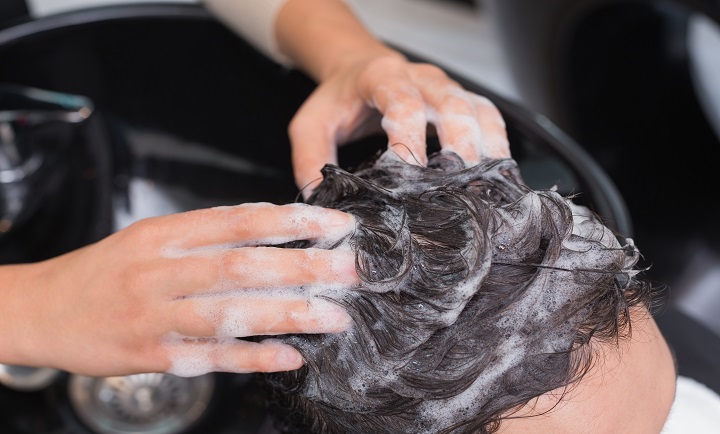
(170, 294)
(350, 101)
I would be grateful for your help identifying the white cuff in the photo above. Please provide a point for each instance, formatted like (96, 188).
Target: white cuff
(254, 20)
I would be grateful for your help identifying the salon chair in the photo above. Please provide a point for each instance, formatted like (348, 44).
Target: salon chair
(179, 113)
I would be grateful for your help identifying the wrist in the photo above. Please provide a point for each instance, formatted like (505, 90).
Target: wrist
(322, 37)
(19, 313)
(357, 59)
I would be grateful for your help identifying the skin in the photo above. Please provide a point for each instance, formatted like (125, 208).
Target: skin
(136, 301)
(364, 85)
(110, 307)
(629, 390)
(140, 301)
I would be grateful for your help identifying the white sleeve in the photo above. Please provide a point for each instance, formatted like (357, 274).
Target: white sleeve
(254, 20)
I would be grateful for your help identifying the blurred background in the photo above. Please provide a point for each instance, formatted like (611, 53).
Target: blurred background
(139, 107)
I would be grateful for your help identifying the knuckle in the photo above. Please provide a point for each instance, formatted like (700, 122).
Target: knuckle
(191, 323)
(456, 104)
(414, 104)
(406, 111)
(266, 360)
(379, 68)
(394, 94)
(429, 70)
(483, 100)
(230, 264)
(143, 231)
(306, 274)
(485, 106)
(491, 110)
(248, 220)
(254, 359)
(302, 266)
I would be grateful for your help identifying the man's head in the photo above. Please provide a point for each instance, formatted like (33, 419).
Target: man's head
(478, 295)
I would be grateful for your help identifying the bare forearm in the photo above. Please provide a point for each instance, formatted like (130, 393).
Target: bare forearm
(17, 316)
(360, 77)
(322, 36)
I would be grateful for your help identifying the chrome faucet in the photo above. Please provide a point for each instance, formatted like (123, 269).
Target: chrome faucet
(23, 108)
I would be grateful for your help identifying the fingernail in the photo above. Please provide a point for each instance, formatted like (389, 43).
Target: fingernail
(289, 358)
(343, 265)
(343, 320)
(336, 226)
(341, 220)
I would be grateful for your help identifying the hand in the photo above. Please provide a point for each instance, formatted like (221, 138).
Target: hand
(170, 294)
(348, 104)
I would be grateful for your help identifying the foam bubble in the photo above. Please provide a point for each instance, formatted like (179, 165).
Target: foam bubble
(335, 229)
(235, 318)
(191, 357)
(445, 412)
(411, 139)
(540, 317)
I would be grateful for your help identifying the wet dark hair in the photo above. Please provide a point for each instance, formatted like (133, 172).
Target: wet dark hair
(478, 294)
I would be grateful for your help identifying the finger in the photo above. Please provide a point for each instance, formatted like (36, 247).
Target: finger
(406, 126)
(312, 133)
(261, 314)
(456, 120)
(467, 124)
(252, 224)
(190, 357)
(404, 121)
(494, 142)
(259, 268)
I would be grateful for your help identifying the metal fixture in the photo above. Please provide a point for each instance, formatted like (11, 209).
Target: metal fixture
(151, 403)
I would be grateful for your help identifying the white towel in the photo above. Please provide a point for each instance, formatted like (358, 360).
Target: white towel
(696, 409)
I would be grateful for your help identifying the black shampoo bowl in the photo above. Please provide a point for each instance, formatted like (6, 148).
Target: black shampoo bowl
(187, 115)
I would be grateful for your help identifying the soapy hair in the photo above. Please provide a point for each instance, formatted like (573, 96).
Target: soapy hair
(478, 294)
